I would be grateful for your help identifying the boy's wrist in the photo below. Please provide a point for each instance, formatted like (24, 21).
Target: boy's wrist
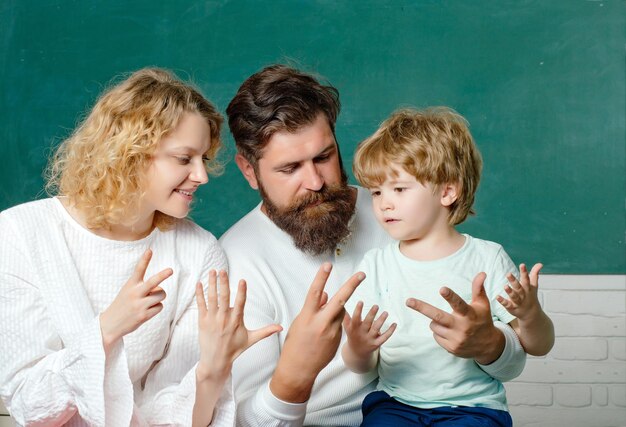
(531, 315)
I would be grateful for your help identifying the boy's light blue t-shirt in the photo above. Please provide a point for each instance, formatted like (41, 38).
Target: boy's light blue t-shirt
(413, 368)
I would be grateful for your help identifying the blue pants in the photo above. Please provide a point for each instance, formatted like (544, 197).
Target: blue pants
(380, 410)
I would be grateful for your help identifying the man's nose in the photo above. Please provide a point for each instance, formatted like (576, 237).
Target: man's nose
(313, 180)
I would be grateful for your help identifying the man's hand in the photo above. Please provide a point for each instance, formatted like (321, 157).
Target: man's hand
(468, 331)
(313, 338)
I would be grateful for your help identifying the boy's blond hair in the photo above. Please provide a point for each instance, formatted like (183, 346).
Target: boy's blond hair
(433, 145)
(102, 166)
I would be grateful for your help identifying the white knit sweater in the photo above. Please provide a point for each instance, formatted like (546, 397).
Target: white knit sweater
(55, 278)
(278, 277)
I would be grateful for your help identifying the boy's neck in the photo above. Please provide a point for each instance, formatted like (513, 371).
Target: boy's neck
(434, 246)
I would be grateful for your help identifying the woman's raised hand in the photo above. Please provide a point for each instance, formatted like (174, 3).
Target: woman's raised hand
(222, 333)
(137, 302)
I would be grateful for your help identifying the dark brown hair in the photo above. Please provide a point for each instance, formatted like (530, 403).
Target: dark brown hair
(277, 98)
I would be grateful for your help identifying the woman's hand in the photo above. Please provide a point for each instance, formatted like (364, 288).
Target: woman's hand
(137, 302)
(222, 333)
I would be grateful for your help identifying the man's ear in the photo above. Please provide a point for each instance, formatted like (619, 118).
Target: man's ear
(449, 193)
(247, 170)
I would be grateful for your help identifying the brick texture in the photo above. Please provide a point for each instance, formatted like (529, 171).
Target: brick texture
(582, 381)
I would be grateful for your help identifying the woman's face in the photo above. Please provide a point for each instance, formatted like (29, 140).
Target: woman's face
(178, 168)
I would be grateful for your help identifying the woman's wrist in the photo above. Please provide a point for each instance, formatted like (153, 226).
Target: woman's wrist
(213, 373)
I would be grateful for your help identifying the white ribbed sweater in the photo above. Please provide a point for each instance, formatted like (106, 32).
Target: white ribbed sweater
(278, 277)
(55, 278)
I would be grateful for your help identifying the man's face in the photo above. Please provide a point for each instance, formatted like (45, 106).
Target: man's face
(304, 188)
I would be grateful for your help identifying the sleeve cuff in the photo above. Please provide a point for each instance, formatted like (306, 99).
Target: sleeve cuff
(512, 360)
(280, 409)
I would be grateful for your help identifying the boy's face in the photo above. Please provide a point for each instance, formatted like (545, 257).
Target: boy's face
(409, 210)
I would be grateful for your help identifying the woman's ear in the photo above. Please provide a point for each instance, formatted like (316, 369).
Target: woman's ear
(247, 170)
(449, 193)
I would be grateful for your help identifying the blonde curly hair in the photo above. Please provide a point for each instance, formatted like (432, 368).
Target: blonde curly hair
(101, 166)
(433, 145)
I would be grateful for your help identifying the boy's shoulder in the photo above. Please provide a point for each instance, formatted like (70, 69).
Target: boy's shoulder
(382, 253)
(484, 246)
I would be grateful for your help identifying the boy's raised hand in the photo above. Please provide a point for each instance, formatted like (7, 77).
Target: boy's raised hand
(468, 331)
(364, 335)
(523, 301)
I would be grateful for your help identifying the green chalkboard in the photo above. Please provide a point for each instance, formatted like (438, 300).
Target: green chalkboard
(541, 83)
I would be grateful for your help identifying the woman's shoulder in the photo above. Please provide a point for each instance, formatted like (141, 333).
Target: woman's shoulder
(35, 211)
(193, 239)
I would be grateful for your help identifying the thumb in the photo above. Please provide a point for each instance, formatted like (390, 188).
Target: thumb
(478, 288)
(261, 333)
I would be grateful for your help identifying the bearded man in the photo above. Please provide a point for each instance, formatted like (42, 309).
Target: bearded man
(309, 225)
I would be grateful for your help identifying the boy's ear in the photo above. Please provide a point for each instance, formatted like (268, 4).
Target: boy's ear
(247, 170)
(449, 193)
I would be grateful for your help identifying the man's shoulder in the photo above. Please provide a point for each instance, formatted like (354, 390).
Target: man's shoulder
(248, 230)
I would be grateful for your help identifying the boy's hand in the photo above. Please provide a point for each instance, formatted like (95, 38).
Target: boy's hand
(523, 302)
(364, 336)
(468, 331)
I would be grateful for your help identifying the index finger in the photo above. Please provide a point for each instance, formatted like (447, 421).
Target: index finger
(142, 266)
(316, 290)
(156, 280)
(336, 304)
(432, 312)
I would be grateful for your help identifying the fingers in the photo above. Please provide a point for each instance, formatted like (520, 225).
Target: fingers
(534, 274)
(142, 266)
(386, 335)
(369, 318)
(154, 298)
(200, 302)
(324, 299)
(505, 302)
(316, 291)
(337, 302)
(154, 281)
(433, 313)
(153, 311)
(358, 311)
(261, 333)
(224, 292)
(378, 324)
(456, 302)
(212, 293)
(240, 299)
(478, 289)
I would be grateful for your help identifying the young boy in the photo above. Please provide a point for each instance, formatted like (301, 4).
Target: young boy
(422, 169)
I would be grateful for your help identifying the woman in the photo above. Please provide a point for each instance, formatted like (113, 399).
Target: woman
(100, 300)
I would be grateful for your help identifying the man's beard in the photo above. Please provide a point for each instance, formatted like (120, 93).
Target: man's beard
(319, 228)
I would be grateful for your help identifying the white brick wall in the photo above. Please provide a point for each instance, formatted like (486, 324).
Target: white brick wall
(582, 382)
